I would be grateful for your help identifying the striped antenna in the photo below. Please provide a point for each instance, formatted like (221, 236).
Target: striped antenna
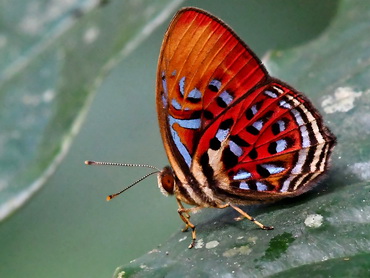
(99, 163)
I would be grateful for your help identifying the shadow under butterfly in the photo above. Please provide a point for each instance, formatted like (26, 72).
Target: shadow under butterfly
(233, 134)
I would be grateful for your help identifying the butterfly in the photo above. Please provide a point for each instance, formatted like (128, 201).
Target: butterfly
(233, 134)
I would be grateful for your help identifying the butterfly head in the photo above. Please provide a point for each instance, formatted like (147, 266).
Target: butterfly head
(166, 181)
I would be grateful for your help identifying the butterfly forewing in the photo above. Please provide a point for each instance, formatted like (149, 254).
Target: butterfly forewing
(200, 58)
(233, 133)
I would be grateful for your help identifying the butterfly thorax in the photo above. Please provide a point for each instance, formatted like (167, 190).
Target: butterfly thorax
(170, 184)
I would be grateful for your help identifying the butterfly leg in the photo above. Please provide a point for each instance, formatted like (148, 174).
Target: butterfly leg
(246, 215)
(185, 216)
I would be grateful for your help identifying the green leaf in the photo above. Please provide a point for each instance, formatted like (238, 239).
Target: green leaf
(324, 232)
(54, 56)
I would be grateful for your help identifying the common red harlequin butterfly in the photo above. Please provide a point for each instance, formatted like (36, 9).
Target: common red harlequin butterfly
(233, 134)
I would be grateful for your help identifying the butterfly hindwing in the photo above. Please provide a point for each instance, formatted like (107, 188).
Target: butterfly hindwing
(272, 140)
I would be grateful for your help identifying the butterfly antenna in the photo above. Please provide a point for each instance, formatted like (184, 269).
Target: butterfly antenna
(90, 162)
(110, 197)
(99, 163)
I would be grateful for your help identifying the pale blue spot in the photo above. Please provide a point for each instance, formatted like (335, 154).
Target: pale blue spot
(285, 186)
(282, 125)
(182, 85)
(242, 175)
(192, 124)
(173, 73)
(164, 100)
(226, 97)
(235, 149)
(175, 104)
(283, 103)
(271, 94)
(258, 125)
(180, 146)
(195, 93)
(216, 83)
(261, 186)
(273, 169)
(164, 84)
(305, 137)
(222, 134)
(244, 185)
(281, 145)
(254, 109)
(297, 116)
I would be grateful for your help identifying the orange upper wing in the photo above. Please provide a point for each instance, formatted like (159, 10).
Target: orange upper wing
(203, 68)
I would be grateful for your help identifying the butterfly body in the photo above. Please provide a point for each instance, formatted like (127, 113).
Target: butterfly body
(232, 133)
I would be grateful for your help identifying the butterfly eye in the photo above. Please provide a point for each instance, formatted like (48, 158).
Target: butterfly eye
(166, 181)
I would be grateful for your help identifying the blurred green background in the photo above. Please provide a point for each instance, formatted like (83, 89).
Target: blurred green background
(68, 229)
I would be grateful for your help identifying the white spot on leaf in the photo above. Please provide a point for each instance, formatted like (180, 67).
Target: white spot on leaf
(48, 95)
(314, 220)
(212, 244)
(91, 35)
(121, 274)
(252, 239)
(199, 244)
(342, 101)
(361, 169)
(242, 250)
